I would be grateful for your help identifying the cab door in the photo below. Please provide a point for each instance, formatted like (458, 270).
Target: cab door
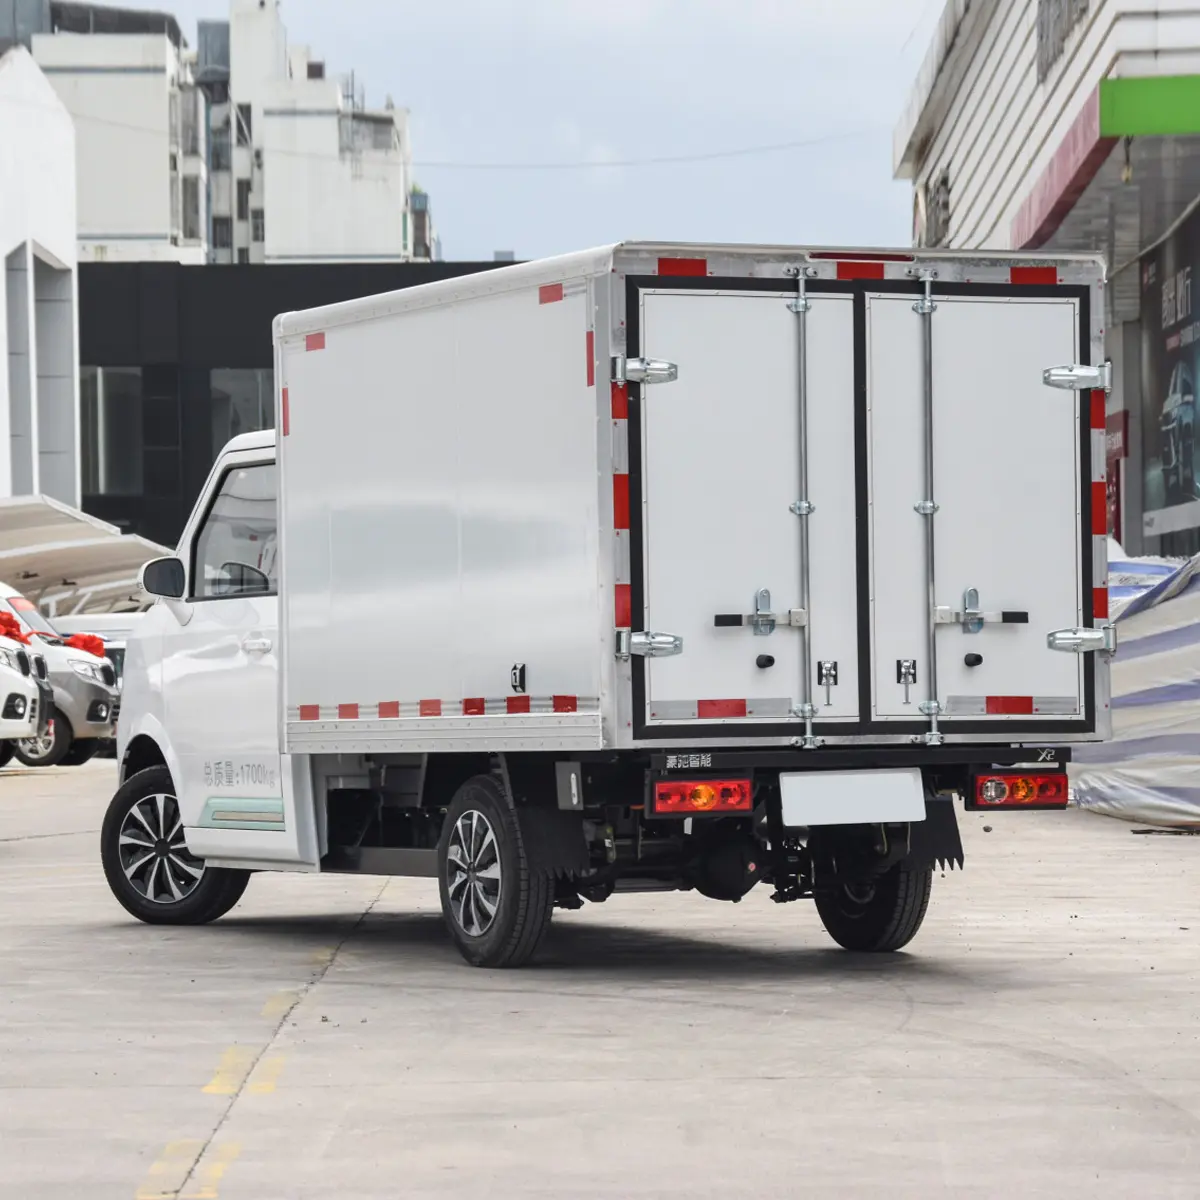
(220, 679)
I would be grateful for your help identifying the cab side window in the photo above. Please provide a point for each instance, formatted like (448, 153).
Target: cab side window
(235, 552)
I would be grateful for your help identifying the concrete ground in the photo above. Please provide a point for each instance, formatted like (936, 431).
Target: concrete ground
(1041, 1037)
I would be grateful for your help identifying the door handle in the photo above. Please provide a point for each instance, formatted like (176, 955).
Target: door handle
(256, 645)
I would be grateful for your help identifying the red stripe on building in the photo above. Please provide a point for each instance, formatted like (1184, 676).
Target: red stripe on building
(314, 341)
(708, 709)
(1100, 507)
(1029, 276)
(310, 712)
(623, 606)
(347, 712)
(683, 266)
(1010, 706)
(620, 401)
(518, 704)
(620, 501)
(430, 708)
(859, 270)
(549, 293)
(389, 710)
(591, 358)
(565, 704)
(1099, 404)
(1100, 604)
(286, 418)
(475, 707)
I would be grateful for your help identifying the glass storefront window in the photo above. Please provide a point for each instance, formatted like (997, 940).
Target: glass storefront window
(111, 420)
(243, 400)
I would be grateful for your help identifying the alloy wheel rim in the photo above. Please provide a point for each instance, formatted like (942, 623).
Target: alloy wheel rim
(473, 876)
(154, 854)
(39, 747)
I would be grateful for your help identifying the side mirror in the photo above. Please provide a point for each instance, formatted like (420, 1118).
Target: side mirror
(163, 577)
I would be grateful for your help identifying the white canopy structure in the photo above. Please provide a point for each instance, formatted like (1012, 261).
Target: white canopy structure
(68, 562)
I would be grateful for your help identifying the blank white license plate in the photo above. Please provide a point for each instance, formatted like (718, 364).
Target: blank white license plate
(852, 797)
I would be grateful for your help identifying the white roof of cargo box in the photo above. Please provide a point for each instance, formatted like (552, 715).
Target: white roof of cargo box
(751, 260)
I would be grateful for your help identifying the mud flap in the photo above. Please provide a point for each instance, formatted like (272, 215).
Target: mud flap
(554, 841)
(935, 842)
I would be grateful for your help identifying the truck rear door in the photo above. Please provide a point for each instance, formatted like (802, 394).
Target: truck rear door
(746, 558)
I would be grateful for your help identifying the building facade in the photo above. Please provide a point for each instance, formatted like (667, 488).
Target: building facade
(1074, 125)
(39, 378)
(240, 150)
(178, 359)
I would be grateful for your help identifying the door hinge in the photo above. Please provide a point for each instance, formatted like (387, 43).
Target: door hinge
(1079, 378)
(1102, 640)
(647, 645)
(643, 370)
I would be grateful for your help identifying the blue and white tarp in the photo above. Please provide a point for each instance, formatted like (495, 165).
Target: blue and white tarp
(1150, 771)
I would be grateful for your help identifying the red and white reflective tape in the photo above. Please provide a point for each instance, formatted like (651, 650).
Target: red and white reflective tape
(622, 579)
(1098, 404)
(478, 706)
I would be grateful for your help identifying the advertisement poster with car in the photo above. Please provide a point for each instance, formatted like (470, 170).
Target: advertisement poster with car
(1170, 365)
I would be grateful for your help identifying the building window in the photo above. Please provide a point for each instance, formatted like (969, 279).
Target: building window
(258, 225)
(222, 233)
(243, 199)
(130, 431)
(243, 254)
(243, 400)
(243, 125)
(111, 430)
(222, 156)
(191, 208)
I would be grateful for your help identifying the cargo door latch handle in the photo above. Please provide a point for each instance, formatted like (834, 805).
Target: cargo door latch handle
(762, 620)
(256, 645)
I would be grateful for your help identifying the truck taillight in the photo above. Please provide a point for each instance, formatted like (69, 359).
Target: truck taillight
(689, 797)
(1019, 789)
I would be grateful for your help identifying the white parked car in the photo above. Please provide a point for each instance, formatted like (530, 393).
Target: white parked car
(25, 696)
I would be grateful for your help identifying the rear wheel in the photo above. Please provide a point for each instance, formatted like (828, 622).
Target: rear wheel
(147, 863)
(879, 914)
(51, 747)
(496, 908)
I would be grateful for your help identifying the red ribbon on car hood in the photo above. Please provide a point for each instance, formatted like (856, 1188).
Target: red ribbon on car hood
(10, 627)
(89, 643)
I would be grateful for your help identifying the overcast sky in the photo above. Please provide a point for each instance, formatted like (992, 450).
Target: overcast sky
(604, 81)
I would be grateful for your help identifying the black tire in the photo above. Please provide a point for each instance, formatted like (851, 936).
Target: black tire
(6, 753)
(80, 751)
(205, 898)
(522, 899)
(880, 917)
(50, 750)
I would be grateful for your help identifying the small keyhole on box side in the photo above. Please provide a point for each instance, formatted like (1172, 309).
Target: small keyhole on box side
(763, 661)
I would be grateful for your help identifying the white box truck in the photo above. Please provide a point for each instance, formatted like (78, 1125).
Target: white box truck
(653, 567)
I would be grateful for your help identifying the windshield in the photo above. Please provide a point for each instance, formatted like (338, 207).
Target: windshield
(30, 615)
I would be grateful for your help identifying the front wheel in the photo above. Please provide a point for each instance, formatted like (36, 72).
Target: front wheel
(51, 747)
(496, 907)
(877, 915)
(147, 863)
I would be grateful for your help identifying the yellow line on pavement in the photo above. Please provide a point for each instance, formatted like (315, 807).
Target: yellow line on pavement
(279, 1004)
(209, 1174)
(232, 1070)
(266, 1076)
(166, 1176)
